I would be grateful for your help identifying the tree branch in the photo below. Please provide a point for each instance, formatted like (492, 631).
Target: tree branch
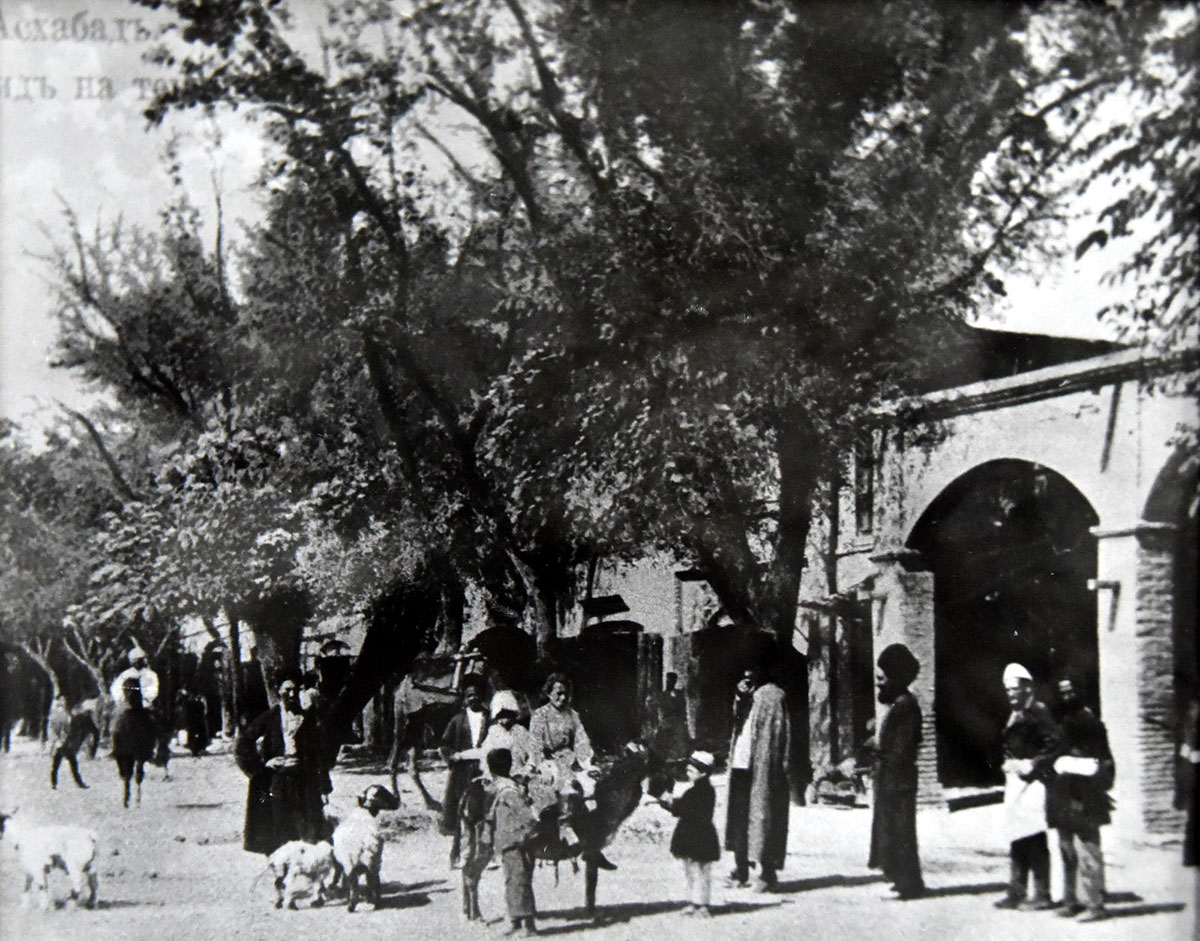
(113, 468)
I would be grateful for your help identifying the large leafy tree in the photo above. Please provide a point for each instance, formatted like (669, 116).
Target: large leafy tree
(705, 238)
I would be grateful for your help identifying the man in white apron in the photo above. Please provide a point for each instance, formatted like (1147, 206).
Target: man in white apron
(1032, 741)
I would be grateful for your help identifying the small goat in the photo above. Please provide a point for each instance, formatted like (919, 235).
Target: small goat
(358, 844)
(41, 849)
(302, 869)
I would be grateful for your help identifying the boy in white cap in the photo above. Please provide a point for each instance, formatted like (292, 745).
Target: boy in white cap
(695, 839)
(1031, 743)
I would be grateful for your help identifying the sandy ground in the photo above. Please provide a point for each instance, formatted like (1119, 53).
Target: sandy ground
(173, 868)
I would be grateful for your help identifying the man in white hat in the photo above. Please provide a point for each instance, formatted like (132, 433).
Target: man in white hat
(138, 669)
(1031, 743)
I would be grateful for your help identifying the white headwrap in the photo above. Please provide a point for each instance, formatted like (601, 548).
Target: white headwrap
(1014, 672)
(505, 701)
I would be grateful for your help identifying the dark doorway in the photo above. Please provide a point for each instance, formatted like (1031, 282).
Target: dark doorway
(1011, 552)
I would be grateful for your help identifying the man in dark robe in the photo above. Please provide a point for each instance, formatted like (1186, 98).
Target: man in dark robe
(1077, 803)
(894, 820)
(756, 822)
(464, 733)
(283, 755)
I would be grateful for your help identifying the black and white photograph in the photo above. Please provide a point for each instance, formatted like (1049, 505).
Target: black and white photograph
(603, 468)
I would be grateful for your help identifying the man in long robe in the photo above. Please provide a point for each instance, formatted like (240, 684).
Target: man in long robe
(282, 753)
(756, 822)
(894, 820)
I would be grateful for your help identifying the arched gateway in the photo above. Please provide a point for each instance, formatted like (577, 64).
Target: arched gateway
(1011, 552)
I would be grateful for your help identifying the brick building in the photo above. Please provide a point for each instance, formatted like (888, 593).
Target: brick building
(1044, 513)
(1046, 517)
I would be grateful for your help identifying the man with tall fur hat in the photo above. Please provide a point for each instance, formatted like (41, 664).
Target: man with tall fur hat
(894, 821)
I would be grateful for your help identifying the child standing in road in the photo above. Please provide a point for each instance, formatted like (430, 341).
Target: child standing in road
(695, 839)
(512, 824)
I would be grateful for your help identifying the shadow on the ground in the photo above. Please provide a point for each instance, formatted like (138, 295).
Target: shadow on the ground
(199, 806)
(1121, 897)
(394, 887)
(1157, 908)
(578, 920)
(974, 888)
(397, 895)
(824, 882)
(105, 904)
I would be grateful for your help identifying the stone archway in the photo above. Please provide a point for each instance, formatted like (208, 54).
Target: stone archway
(1011, 552)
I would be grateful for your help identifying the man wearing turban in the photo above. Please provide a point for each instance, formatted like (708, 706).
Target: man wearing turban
(894, 824)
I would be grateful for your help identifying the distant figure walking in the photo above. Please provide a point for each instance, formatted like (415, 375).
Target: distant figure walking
(1077, 802)
(133, 738)
(1031, 743)
(894, 820)
(69, 729)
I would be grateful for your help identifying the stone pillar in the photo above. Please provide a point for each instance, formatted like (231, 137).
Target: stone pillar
(1135, 585)
(902, 613)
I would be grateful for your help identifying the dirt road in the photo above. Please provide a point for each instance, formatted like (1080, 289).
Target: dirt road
(174, 869)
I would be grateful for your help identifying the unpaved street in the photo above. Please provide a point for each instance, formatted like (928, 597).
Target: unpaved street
(174, 869)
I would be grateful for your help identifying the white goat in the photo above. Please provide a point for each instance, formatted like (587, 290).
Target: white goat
(358, 844)
(41, 849)
(302, 869)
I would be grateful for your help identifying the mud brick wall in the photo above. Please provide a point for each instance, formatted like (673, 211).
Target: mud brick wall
(1154, 606)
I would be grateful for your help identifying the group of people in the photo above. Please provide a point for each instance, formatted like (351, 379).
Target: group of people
(1058, 771)
(69, 728)
(1057, 764)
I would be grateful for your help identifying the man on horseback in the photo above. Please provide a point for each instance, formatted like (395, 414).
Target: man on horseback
(133, 737)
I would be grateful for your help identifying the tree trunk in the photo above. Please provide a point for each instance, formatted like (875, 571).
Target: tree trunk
(41, 660)
(454, 602)
(234, 674)
(92, 669)
(398, 620)
(539, 616)
(278, 624)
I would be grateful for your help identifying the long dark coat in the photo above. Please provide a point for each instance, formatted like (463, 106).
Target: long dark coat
(894, 822)
(695, 837)
(759, 826)
(282, 805)
(1078, 802)
(456, 738)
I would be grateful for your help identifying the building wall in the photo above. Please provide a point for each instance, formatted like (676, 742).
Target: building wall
(1108, 433)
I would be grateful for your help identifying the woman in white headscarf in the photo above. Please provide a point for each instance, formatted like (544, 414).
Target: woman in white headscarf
(505, 732)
